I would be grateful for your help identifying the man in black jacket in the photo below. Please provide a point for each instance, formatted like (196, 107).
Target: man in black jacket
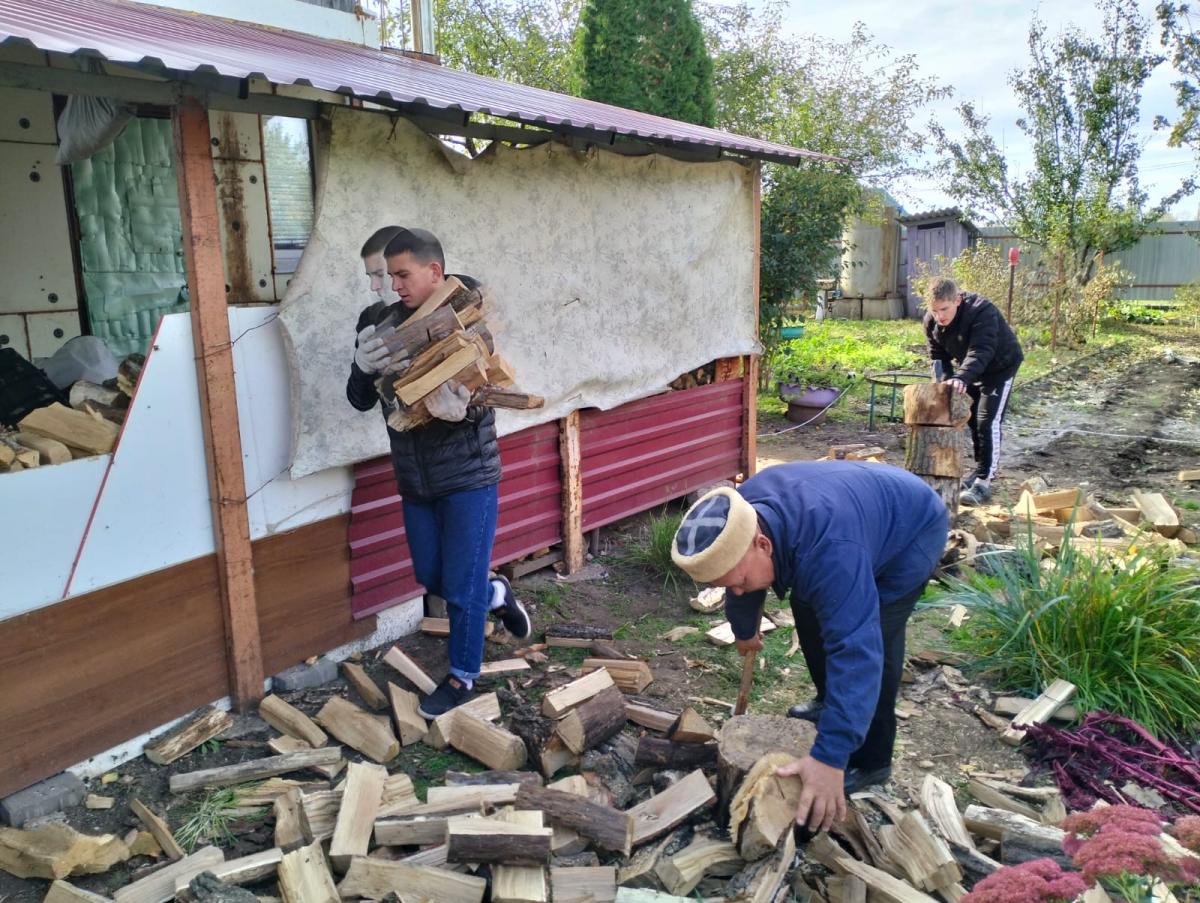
(447, 470)
(975, 351)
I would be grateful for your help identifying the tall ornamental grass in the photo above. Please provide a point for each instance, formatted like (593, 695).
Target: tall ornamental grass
(1126, 633)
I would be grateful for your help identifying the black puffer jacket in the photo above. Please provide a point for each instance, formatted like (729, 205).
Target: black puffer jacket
(978, 346)
(438, 458)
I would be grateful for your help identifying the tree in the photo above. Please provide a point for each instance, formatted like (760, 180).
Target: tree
(646, 55)
(853, 99)
(1081, 97)
(1179, 37)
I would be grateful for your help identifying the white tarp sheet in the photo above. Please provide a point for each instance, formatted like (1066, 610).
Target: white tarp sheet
(612, 275)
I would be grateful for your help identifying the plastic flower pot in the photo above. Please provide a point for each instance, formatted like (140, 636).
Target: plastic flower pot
(806, 403)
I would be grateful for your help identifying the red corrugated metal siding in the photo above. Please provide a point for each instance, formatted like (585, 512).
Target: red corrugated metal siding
(134, 33)
(651, 451)
(381, 571)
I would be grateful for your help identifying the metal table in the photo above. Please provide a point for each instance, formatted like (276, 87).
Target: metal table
(894, 380)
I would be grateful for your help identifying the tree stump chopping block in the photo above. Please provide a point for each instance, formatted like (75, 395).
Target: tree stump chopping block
(744, 739)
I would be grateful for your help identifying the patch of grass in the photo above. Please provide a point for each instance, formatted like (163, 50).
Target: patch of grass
(210, 746)
(652, 551)
(547, 596)
(1187, 504)
(1126, 634)
(427, 766)
(207, 820)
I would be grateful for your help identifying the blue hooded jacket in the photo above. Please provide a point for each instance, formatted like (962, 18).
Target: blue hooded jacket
(847, 538)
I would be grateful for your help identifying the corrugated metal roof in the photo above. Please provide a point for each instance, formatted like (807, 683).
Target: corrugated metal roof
(134, 33)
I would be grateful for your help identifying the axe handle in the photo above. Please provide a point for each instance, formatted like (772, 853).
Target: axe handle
(743, 697)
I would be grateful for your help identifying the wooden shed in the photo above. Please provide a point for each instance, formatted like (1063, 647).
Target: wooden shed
(933, 237)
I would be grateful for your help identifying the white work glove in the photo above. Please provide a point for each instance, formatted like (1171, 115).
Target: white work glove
(448, 401)
(371, 354)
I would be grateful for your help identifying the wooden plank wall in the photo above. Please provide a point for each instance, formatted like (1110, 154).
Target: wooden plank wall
(90, 673)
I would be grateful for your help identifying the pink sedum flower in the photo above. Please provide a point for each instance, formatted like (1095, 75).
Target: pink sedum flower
(1187, 832)
(1112, 853)
(1039, 881)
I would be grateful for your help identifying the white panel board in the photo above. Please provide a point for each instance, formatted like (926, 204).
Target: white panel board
(27, 116)
(46, 510)
(245, 233)
(48, 332)
(276, 502)
(154, 509)
(12, 334)
(235, 136)
(35, 255)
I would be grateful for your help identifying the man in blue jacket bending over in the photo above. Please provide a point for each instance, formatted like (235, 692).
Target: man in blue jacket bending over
(854, 544)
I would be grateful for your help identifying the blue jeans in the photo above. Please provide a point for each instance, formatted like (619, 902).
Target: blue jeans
(451, 543)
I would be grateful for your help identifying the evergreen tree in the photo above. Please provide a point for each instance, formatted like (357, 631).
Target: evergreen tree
(646, 55)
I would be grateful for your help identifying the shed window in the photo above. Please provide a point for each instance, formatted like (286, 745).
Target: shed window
(288, 157)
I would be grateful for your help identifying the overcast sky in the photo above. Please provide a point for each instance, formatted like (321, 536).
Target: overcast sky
(972, 45)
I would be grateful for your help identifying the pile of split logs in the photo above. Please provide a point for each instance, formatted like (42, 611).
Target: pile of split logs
(668, 811)
(701, 376)
(56, 433)
(446, 338)
(1051, 516)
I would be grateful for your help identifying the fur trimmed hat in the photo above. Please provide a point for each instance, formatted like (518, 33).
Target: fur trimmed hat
(714, 535)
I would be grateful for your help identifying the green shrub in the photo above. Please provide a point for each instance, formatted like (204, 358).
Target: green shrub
(1126, 634)
(829, 355)
(1135, 312)
(653, 551)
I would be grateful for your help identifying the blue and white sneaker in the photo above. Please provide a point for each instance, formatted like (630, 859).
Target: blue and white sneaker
(512, 613)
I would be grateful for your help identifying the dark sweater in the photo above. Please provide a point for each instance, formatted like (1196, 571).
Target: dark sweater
(978, 346)
(847, 539)
(440, 457)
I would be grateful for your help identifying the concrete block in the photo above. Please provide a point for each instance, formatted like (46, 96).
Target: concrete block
(48, 796)
(305, 677)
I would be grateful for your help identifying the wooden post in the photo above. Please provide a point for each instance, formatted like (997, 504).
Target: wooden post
(218, 400)
(750, 370)
(572, 492)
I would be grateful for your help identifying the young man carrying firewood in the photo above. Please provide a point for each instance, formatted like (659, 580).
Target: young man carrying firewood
(447, 470)
(975, 351)
(854, 544)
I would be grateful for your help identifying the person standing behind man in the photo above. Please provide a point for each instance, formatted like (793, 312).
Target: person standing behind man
(447, 471)
(975, 351)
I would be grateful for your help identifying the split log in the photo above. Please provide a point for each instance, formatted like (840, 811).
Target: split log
(82, 391)
(764, 807)
(1014, 705)
(671, 808)
(374, 879)
(594, 721)
(997, 799)
(722, 634)
(206, 724)
(608, 828)
(601, 649)
(880, 884)
(496, 397)
(49, 451)
(292, 830)
(441, 627)
(702, 857)
(359, 729)
(409, 669)
(366, 688)
(937, 802)
(480, 840)
(501, 668)
(632, 676)
(691, 728)
(649, 716)
(646, 895)
(254, 770)
(485, 742)
(519, 884)
(304, 877)
(158, 830)
(284, 744)
(762, 882)
(95, 801)
(935, 404)
(407, 716)
(561, 700)
(287, 719)
(66, 892)
(421, 830)
(74, 429)
(554, 756)
(465, 778)
(485, 706)
(579, 636)
(594, 884)
(1157, 511)
(1021, 838)
(56, 850)
(159, 886)
(744, 739)
(244, 870)
(1186, 476)
(361, 795)
(1040, 710)
(476, 795)
(661, 753)
(925, 858)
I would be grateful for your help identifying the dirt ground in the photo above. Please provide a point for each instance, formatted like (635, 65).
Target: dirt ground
(1152, 397)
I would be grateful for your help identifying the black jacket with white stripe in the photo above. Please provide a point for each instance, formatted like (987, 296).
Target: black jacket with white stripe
(978, 346)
